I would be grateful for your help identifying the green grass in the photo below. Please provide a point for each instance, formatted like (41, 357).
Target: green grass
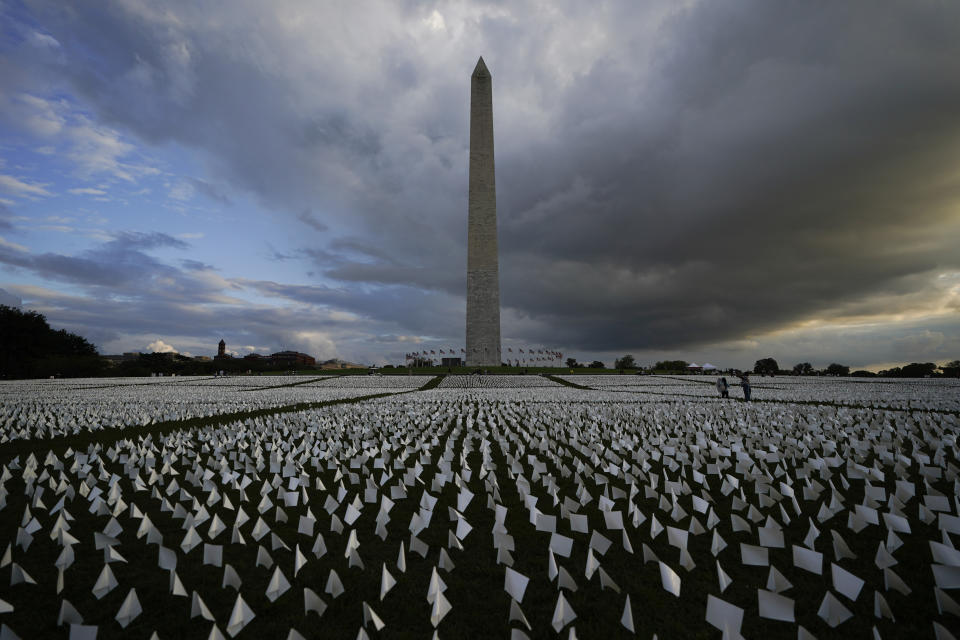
(565, 383)
(475, 587)
(294, 384)
(432, 383)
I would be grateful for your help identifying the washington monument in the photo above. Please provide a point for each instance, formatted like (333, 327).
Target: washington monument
(483, 273)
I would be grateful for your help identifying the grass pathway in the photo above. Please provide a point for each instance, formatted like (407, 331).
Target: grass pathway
(293, 384)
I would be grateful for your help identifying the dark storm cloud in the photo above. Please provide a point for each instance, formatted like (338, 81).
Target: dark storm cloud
(105, 320)
(193, 307)
(128, 241)
(308, 218)
(795, 162)
(737, 168)
(5, 215)
(432, 314)
(277, 256)
(196, 265)
(117, 263)
(194, 320)
(211, 191)
(342, 132)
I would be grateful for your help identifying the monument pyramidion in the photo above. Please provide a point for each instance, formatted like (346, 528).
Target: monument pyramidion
(483, 272)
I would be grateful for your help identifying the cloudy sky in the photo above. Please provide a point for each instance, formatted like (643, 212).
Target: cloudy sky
(714, 180)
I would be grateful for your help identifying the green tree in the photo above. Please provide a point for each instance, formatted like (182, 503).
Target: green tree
(766, 366)
(803, 369)
(626, 362)
(862, 373)
(919, 370)
(835, 369)
(951, 369)
(671, 365)
(30, 348)
(572, 363)
(596, 364)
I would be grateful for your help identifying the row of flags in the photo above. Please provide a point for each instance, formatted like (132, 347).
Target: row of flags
(529, 354)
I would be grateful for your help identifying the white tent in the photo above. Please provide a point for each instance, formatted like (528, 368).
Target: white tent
(707, 365)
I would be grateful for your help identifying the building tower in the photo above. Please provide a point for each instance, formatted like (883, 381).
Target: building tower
(483, 273)
(221, 349)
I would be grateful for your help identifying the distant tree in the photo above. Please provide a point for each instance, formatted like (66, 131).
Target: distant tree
(835, 369)
(626, 362)
(30, 348)
(951, 369)
(803, 369)
(912, 370)
(596, 364)
(919, 370)
(863, 374)
(671, 365)
(766, 366)
(572, 363)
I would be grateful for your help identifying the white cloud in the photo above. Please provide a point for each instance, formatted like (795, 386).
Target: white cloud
(436, 22)
(94, 218)
(92, 147)
(21, 188)
(34, 114)
(44, 40)
(59, 228)
(182, 191)
(97, 149)
(343, 316)
(4, 244)
(159, 346)
(87, 191)
(389, 338)
(319, 344)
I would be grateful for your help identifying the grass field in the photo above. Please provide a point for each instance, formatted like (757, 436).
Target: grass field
(629, 479)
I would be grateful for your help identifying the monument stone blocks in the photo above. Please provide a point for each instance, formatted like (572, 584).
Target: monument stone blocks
(483, 274)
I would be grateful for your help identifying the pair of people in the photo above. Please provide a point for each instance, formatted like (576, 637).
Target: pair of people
(724, 388)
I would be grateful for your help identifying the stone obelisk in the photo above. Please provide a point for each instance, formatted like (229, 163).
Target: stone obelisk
(483, 273)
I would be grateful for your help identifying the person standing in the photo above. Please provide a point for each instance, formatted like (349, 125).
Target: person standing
(745, 385)
(723, 387)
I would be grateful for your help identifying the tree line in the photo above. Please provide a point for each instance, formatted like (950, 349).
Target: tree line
(769, 366)
(30, 348)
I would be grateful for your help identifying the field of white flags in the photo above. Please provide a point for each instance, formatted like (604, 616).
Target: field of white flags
(479, 507)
